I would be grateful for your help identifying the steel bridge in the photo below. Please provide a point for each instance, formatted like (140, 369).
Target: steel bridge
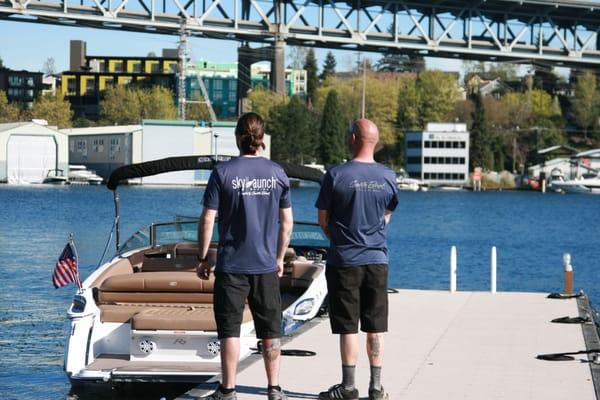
(561, 32)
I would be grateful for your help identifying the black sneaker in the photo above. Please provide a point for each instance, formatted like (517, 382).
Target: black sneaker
(339, 393)
(275, 394)
(380, 394)
(218, 395)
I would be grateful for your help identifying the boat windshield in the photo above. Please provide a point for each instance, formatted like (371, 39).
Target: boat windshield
(305, 234)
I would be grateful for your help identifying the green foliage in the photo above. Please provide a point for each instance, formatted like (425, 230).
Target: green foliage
(293, 132)
(480, 144)
(157, 103)
(431, 98)
(53, 108)
(9, 112)
(585, 101)
(332, 147)
(122, 105)
(197, 112)
(82, 122)
(312, 81)
(263, 101)
(328, 66)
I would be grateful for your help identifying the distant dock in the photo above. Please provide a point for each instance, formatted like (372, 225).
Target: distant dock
(443, 345)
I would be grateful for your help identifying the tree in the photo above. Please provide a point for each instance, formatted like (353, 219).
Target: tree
(263, 101)
(54, 108)
(312, 81)
(120, 106)
(1, 63)
(585, 101)
(156, 103)
(333, 127)
(49, 67)
(197, 112)
(480, 154)
(328, 66)
(297, 56)
(9, 112)
(438, 94)
(292, 130)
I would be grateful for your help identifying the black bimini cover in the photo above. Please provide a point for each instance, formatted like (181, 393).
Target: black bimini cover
(185, 163)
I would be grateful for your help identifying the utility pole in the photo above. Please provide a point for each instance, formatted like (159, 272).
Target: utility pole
(181, 67)
(364, 87)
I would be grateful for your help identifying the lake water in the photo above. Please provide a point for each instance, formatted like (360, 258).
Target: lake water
(530, 230)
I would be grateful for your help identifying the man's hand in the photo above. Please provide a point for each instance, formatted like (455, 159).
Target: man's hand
(280, 268)
(203, 270)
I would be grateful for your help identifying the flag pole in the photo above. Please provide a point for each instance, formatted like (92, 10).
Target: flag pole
(77, 276)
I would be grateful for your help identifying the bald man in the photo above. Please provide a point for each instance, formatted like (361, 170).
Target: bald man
(355, 204)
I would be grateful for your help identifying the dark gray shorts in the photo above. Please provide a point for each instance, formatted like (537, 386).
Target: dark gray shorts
(264, 298)
(358, 293)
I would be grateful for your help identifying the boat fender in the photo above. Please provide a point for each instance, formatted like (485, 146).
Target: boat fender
(567, 356)
(564, 296)
(285, 352)
(571, 320)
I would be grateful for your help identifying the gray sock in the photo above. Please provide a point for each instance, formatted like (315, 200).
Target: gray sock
(348, 376)
(375, 382)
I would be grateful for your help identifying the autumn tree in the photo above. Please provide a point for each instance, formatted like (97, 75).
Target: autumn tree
(120, 106)
(9, 112)
(156, 103)
(54, 108)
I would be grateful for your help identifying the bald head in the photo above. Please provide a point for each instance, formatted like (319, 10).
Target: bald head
(364, 138)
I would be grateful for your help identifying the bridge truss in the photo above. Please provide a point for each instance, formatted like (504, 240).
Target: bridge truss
(559, 32)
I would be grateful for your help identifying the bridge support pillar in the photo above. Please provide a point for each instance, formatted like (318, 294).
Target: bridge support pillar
(248, 56)
(278, 68)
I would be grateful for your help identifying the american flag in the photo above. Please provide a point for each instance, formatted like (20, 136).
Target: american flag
(66, 270)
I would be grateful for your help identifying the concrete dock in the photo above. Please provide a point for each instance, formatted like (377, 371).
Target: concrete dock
(442, 345)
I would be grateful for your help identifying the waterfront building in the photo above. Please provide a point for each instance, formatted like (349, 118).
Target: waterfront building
(439, 155)
(89, 75)
(106, 148)
(28, 150)
(21, 86)
(220, 80)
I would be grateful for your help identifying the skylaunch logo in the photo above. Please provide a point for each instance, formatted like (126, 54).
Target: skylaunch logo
(254, 187)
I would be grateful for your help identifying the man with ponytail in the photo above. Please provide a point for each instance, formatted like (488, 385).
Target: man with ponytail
(251, 195)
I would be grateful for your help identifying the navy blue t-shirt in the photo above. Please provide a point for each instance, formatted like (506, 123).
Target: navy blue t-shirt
(356, 195)
(247, 193)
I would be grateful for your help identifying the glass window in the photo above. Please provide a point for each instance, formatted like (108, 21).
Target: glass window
(427, 175)
(155, 68)
(118, 66)
(455, 177)
(90, 86)
(137, 67)
(463, 145)
(427, 160)
(232, 96)
(413, 144)
(461, 177)
(434, 144)
(218, 95)
(448, 145)
(218, 84)
(462, 160)
(427, 144)
(448, 160)
(71, 87)
(414, 160)
(448, 176)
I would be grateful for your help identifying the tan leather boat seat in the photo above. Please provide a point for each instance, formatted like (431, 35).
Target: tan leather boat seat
(156, 287)
(182, 318)
(303, 273)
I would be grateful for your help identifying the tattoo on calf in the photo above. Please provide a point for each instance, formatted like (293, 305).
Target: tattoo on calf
(375, 345)
(272, 350)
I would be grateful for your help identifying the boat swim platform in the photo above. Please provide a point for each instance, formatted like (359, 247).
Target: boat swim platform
(443, 345)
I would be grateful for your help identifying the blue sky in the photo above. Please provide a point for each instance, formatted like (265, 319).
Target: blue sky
(27, 45)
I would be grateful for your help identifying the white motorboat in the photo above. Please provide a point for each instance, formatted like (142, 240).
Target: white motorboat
(80, 175)
(55, 177)
(589, 184)
(145, 316)
(406, 183)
